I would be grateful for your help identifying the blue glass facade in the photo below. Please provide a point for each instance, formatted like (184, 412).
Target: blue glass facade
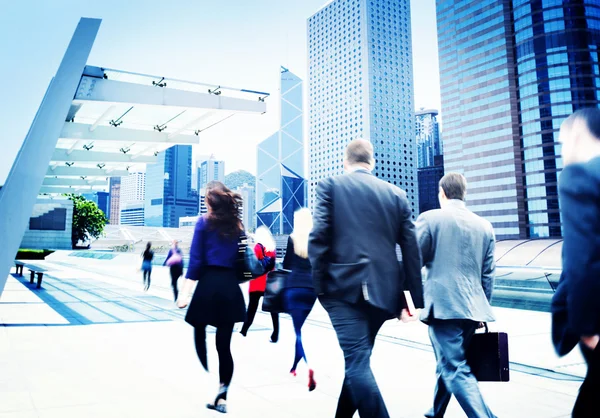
(278, 213)
(511, 72)
(478, 96)
(428, 137)
(281, 152)
(169, 188)
(360, 69)
(557, 69)
(429, 179)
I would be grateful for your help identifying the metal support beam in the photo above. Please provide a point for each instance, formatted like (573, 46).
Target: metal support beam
(60, 154)
(97, 89)
(66, 190)
(62, 181)
(18, 195)
(86, 171)
(84, 132)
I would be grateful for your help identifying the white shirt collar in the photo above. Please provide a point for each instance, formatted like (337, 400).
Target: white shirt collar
(355, 168)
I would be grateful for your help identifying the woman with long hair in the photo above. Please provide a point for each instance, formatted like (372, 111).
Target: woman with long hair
(265, 247)
(299, 294)
(147, 257)
(218, 300)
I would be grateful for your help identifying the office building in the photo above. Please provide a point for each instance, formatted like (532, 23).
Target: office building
(132, 213)
(281, 155)
(361, 85)
(511, 72)
(429, 180)
(169, 188)
(248, 213)
(196, 169)
(430, 161)
(188, 221)
(209, 170)
(427, 133)
(115, 199)
(131, 199)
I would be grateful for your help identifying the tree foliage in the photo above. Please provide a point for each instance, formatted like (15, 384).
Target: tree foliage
(88, 219)
(238, 179)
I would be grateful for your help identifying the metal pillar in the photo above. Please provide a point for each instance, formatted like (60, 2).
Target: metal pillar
(19, 193)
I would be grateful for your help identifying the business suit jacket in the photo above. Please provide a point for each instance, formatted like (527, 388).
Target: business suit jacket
(576, 303)
(358, 220)
(457, 247)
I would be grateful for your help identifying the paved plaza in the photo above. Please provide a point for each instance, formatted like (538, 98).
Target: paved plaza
(91, 343)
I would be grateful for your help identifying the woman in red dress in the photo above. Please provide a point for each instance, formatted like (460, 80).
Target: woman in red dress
(257, 290)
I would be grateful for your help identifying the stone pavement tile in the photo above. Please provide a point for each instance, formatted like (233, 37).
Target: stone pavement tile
(15, 401)
(22, 295)
(88, 313)
(31, 413)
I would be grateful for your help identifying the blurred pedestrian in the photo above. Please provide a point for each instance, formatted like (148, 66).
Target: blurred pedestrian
(218, 300)
(575, 307)
(299, 294)
(175, 262)
(457, 247)
(358, 220)
(264, 247)
(147, 257)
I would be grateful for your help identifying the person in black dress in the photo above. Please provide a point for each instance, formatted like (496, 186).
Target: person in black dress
(218, 300)
(299, 294)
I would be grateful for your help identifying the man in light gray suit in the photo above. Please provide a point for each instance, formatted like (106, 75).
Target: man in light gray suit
(458, 253)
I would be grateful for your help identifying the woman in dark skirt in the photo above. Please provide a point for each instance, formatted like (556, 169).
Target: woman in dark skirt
(218, 299)
(299, 294)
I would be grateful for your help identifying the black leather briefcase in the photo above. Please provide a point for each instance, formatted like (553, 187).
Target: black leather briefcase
(487, 355)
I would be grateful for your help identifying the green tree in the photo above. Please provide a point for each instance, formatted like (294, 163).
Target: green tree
(88, 219)
(238, 179)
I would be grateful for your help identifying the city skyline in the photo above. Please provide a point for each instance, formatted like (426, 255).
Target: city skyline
(281, 40)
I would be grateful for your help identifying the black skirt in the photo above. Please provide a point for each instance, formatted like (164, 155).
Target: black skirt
(217, 300)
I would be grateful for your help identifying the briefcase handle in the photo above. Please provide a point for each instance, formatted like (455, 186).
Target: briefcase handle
(485, 326)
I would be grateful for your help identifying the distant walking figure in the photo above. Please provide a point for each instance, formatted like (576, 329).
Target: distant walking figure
(358, 220)
(147, 257)
(575, 306)
(175, 262)
(257, 286)
(299, 294)
(218, 300)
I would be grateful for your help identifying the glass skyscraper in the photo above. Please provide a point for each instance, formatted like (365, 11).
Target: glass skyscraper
(428, 137)
(511, 72)
(169, 188)
(280, 158)
(361, 85)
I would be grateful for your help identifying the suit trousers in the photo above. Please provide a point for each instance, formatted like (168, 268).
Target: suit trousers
(586, 405)
(356, 326)
(450, 339)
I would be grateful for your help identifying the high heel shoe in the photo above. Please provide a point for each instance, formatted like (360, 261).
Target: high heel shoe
(220, 403)
(312, 384)
(293, 373)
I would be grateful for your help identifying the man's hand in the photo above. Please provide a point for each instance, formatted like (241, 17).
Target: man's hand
(591, 341)
(406, 317)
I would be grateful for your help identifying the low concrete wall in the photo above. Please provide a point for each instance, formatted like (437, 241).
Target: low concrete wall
(50, 225)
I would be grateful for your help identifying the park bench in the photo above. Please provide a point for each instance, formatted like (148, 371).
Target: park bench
(34, 269)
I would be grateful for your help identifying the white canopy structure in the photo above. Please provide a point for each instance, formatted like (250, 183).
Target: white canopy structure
(95, 123)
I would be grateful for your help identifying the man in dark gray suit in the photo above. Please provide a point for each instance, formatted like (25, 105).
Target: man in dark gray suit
(358, 220)
(458, 252)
